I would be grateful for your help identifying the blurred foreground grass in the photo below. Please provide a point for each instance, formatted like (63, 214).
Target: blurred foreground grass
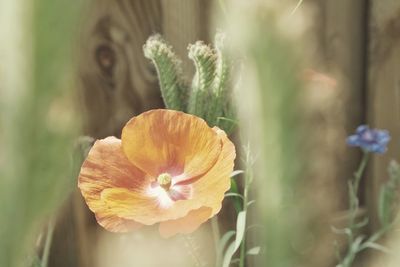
(268, 98)
(37, 125)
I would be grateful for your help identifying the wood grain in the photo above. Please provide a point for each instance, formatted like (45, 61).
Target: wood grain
(117, 81)
(383, 89)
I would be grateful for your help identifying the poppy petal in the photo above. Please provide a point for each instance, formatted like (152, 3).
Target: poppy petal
(147, 208)
(116, 224)
(207, 191)
(105, 167)
(187, 224)
(211, 187)
(131, 205)
(170, 141)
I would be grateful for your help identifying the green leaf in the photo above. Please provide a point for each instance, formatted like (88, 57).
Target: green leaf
(377, 246)
(234, 195)
(240, 230)
(222, 244)
(361, 224)
(237, 202)
(384, 204)
(228, 255)
(253, 251)
(387, 194)
(251, 202)
(236, 173)
(344, 231)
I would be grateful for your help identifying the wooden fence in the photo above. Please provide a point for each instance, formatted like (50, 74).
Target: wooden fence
(357, 41)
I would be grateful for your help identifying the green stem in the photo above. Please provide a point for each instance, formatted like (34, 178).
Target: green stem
(47, 244)
(247, 181)
(237, 203)
(243, 245)
(354, 206)
(360, 171)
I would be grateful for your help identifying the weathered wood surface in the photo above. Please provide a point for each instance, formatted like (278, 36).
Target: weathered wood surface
(117, 82)
(335, 109)
(383, 89)
(383, 96)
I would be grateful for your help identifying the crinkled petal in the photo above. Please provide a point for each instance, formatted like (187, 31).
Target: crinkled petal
(170, 141)
(187, 224)
(140, 207)
(112, 223)
(106, 167)
(206, 191)
(210, 189)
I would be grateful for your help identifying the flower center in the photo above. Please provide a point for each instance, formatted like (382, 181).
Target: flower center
(164, 180)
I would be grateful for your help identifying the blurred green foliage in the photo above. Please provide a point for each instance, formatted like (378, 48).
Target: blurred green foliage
(37, 130)
(270, 118)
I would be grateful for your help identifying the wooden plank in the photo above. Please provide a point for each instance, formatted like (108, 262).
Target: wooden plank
(185, 22)
(117, 80)
(383, 89)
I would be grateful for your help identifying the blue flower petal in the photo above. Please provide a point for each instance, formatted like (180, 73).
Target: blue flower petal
(372, 140)
(383, 136)
(353, 140)
(361, 128)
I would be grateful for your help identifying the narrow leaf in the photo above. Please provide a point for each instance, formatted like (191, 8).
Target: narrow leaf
(251, 202)
(228, 255)
(234, 195)
(222, 244)
(378, 247)
(236, 173)
(253, 251)
(240, 230)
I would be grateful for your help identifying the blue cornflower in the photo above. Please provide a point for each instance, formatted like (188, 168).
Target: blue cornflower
(371, 140)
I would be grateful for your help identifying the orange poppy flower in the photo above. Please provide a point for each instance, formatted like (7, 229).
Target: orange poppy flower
(169, 168)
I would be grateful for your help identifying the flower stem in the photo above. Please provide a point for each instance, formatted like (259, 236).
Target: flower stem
(360, 171)
(47, 244)
(353, 190)
(247, 182)
(354, 186)
(243, 245)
